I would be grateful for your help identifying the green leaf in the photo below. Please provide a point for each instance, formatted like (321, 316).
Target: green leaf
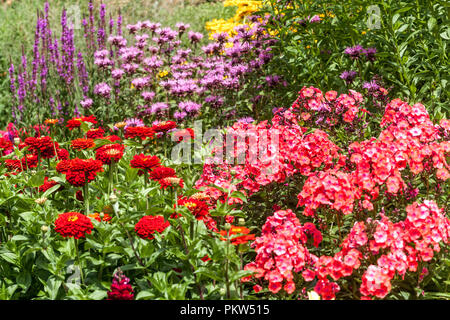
(98, 295)
(37, 180)
(431, 23)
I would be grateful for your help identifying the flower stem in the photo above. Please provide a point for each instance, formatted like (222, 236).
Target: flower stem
(75, 242)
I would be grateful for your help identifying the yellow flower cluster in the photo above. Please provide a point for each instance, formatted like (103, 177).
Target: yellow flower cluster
(244, 8)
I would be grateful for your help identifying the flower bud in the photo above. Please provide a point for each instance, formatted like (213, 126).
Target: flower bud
(227, 226)
(241, 221)
(102, 214)
(44, 228)
(113, 198)
(16, 141)
(41, 200)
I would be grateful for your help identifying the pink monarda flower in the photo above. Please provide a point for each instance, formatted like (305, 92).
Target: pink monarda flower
(86, 103)
(140, 83)
(103, 89)
(117, 74)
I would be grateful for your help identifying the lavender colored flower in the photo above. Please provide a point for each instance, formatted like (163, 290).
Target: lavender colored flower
(354, 52)
(103, 89)
(130, 68)
(189, 106)
(179, 115)
(158, 107)
(86, 103)
(370, 53)
(140, 83)
(133, 122)
(195, 37)
(182, 27)
(117, 74)
(246, 120)
(314, 19)
(148, 95)
(348, 76)
(214, 101)
(371, 86)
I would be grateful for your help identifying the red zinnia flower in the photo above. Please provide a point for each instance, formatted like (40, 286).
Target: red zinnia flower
(141, 132)
(73, 224)
(180, 134)
(13, 164)
(42, 145)
(112, 138)
(5, 144)
(144, 162)
(63, 154)
(82, 144)
(73, 123)
(95, 133)
(164, 126)
(80, 171)
(171, 182)
(63, 166)
(110, 152)
(161, 173)
(47, 185)
(197, 207)
(147, 226)
(29, 161)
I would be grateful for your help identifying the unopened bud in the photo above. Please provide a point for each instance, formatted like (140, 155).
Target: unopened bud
(44, 228)
(113, 198)
(102, 214)
(227, 226)
(41, 200)
(16, 141)
(241, 221)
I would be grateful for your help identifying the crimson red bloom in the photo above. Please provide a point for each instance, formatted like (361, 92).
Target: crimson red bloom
(47, 185)
(73, 224)
(63, 154)
(82, 144)
(180, 134)
(13, 164)
(147, 226)
(29, 161)
(161, 173)
(197, 207)
(73, 123)
(171, 182)
(80, 171)
(144, 162)
(164, 126)
(112, 138)
(43, 146)
(95, 133)
(110, 152)
(120, 288)
(5, 144)
(63, 166)
(141, 132)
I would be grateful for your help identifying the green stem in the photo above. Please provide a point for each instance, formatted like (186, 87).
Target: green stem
(75, 242)
(86, 196)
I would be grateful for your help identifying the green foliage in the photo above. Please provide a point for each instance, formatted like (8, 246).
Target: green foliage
(411, 38)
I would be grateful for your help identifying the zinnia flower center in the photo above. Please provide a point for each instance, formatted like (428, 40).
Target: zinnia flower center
(72, 218)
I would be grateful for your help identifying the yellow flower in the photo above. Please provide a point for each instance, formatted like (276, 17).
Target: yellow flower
(312, 295)
(363, 33)
(163, 73)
